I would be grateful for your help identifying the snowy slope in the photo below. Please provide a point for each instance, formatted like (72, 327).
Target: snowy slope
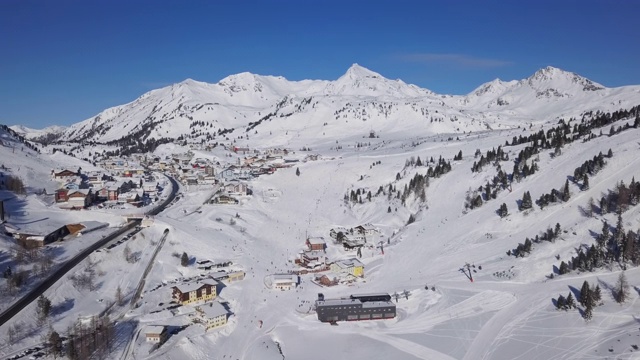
(507, 312)
(358, 102)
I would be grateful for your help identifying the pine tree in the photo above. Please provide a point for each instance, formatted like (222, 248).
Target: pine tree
(526, 201)
(297, 171)
(184, 260)
(584, 293)
(603, 239)
(119, 296)
(503, 211)
(597, 295)
(561, 303)
(43, 308)
(588, 312)
(585, 182)
(55, 344)
(571, 303)
(565, 191)
(621, 290)
(563, 269)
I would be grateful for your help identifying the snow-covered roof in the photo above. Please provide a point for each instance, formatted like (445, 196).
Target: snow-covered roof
(316, 240)
(154, 330)
(185, 288)
(345, 264)
(212, 310)
(285, 278)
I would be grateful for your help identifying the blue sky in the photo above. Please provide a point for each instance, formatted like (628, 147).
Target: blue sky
(64, 61)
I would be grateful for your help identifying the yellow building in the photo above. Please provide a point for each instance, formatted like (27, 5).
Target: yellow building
(350, 266)
(187, 294)
(211, 315)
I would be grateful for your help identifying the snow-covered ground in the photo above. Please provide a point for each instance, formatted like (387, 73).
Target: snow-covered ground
(507, 312)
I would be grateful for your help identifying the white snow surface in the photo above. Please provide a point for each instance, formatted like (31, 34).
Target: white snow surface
(493, 317)
(358, 102)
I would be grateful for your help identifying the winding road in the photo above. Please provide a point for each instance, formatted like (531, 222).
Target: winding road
(34, 293)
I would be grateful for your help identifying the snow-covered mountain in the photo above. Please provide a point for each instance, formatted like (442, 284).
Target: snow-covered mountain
(426, 238)
(358, 102)
(30, 133)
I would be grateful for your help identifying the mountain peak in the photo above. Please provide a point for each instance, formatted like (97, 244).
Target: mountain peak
(356, 71)
(552, 74)
(549, 73)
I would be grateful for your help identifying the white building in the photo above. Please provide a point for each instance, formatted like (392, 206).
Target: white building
(211, 315)
(156, 334)
(284, 281)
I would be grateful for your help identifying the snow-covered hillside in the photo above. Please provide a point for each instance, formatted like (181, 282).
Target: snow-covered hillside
(355, 104)
(413, 181)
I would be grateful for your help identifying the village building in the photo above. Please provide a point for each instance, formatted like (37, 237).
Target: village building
(234, 187)
(224, 199)
(64, 174)
(156, 334)
(150, 188)
(324, 280)
(355, 307)
(311, 259)
(333, 233)
(351, 267)
(211, 315)
(79, 199)
(316, 243)
(284, 281)
(188, 294)
(228, 276)
(38, 237)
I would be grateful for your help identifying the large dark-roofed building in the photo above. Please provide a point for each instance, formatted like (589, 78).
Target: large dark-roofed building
(355, 307)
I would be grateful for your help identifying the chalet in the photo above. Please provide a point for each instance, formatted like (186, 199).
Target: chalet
(73, 185)
(366, 229)
(235, 187)
(324, 280)
(316, 243)
(209, 170)
(61, 195)
(98, 179)
(131, 197)
(112, 192)
(353, 240)
(132, 172)
(211, 315)
(114, 163)
(150, 188)
(37, 238)
(79, 199)
(101, 193)
(333, 233)
(241, 150)
(348, 267)
(311, 259)
(156, 334)
(235, 173)
(284, 281)
(64, 174)
(224, 199)
(187, 294)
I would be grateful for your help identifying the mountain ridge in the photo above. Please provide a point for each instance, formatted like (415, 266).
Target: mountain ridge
(365, 100)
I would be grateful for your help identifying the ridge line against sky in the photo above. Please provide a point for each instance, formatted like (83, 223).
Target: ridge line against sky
(67, 60)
